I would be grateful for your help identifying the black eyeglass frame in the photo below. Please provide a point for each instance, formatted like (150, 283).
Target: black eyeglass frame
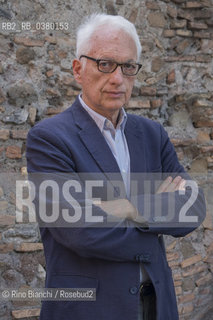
(117, 65)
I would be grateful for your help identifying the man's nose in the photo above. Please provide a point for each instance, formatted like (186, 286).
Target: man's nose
(117, 75)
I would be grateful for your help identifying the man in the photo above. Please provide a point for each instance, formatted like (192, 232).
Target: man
(124, 261)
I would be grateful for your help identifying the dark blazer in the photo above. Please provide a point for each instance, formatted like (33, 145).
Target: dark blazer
(107, 259)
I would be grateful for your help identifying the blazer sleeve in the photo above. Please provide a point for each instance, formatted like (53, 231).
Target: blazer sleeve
(173, 213)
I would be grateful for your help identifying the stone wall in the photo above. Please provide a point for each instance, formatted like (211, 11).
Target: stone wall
(174, 88)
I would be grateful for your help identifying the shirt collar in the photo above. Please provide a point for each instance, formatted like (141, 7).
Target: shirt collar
(102, 122)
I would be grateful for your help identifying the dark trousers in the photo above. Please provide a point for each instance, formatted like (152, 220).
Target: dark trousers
(148, 298)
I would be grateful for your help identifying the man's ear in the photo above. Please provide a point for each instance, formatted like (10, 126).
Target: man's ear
(77, 68)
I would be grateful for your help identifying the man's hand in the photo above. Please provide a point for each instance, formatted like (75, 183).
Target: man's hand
(172, 185)
(121, 208)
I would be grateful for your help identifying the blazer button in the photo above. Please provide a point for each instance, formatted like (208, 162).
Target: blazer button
(133, 290)
(145, 258)
(137, 257)
(116, 190)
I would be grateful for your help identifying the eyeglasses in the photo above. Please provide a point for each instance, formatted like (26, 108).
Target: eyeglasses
(109, 66)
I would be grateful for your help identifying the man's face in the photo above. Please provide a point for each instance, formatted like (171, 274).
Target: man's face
(106, 93)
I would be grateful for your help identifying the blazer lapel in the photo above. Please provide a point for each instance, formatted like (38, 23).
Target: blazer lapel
(98, 148)
(136, 145)
(95, 143)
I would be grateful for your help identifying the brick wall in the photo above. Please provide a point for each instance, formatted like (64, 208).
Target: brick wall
(174, 87)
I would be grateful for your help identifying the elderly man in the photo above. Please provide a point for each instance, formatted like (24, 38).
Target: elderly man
(124, 261)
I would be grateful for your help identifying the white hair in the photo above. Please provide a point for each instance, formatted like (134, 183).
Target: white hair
(93, 22)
